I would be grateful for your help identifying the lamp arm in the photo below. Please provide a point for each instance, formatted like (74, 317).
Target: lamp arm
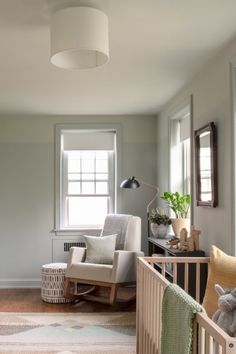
(155, 196)
(151, 201)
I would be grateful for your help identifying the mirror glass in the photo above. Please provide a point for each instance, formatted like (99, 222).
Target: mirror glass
(206, 179)
(205, 167)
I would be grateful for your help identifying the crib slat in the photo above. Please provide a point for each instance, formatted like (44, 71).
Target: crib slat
(174, 273)
(155, 317)
(199, 340)
(186, 271)
(138, 322)
(150, 313)
(207, 343)
(159, 318)
(223, 351)
(202, 340)
(160, 295)
(211, 350)
(143, 313)
(146, 320)
(195, 332)
(198, 282)
(217, 348)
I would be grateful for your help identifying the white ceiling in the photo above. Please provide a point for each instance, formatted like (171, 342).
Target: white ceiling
(156, 46)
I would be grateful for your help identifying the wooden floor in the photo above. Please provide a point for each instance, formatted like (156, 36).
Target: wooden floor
(29, 300)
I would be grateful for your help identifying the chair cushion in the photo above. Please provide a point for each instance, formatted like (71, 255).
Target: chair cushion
(89, 271)
(222, 270)
(100, 250)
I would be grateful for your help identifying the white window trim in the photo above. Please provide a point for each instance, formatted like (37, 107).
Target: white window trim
(176, 113)
(58, 230)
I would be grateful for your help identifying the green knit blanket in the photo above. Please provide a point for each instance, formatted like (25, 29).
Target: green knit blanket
(178, 309)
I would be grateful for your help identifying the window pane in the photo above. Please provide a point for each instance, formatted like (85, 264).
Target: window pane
(88, 188)
(102, 166)
(88, 176)
(74, 188)
(87, 211)
(101, 176)
(101, 155)
(73, 154)
(87, 166)
(73, 176)
(101, 188)
(186, 166)
(88, 155)
(73, 165)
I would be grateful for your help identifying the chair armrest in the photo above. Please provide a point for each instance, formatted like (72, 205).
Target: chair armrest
(76, 255)
(124, 266)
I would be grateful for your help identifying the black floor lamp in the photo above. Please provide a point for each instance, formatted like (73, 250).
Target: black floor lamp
(133, 183)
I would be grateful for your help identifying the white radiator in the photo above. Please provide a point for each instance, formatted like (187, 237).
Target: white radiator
(61, 247)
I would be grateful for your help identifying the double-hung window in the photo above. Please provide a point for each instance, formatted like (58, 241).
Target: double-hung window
(87, 177)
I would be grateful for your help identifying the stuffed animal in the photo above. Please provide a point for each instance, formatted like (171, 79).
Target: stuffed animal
(225, 316)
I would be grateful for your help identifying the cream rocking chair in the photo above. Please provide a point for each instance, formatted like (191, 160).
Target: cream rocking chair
(123, 269)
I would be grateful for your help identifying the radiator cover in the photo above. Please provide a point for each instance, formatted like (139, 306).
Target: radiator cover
(61, 247)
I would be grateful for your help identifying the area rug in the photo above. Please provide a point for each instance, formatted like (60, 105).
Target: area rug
(67, 333)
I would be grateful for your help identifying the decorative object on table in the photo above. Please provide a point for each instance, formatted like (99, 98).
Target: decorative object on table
(225, 316)
(133, 183)
(53, 280)
(173, 242)
(206, 165)
(180, 204)
(191, 242)
(159, 223)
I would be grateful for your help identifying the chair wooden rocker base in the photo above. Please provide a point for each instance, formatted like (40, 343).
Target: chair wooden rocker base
(85, 294)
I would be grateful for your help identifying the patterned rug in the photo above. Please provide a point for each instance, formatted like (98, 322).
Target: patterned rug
(67, 333)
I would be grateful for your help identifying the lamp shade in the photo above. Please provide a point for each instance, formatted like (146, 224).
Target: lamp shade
(79, 38)
(130, 183)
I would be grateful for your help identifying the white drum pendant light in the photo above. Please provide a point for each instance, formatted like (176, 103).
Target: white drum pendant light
(79, 38)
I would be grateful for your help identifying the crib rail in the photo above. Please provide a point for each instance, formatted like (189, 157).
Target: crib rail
(208, 337)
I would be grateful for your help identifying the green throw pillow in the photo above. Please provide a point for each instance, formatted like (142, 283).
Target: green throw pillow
(100, 250)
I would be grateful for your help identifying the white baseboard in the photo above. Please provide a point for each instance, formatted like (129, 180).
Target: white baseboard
(20, 283)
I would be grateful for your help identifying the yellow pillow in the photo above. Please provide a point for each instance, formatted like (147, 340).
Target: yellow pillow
(222, 270)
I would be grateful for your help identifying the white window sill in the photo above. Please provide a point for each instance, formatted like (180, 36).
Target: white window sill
(76, 232)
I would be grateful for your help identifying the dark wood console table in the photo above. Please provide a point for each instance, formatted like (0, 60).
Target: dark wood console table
(159, 246)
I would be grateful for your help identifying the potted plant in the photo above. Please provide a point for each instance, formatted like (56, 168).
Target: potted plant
(180, 204)
(159, 222)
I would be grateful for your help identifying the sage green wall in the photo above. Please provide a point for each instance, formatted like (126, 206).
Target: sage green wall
(211, 90)
(27, 186)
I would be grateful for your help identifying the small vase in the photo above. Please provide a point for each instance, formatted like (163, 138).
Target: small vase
(159, 231)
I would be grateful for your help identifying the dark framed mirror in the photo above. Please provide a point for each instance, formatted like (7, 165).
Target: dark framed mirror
(206, 165)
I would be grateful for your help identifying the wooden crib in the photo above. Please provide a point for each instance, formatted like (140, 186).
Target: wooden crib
(208, 338)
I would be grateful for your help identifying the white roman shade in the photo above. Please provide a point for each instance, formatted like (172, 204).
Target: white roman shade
(88, 140)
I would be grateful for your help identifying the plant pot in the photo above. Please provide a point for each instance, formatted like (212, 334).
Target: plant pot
(179, 224)
(159, 231)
